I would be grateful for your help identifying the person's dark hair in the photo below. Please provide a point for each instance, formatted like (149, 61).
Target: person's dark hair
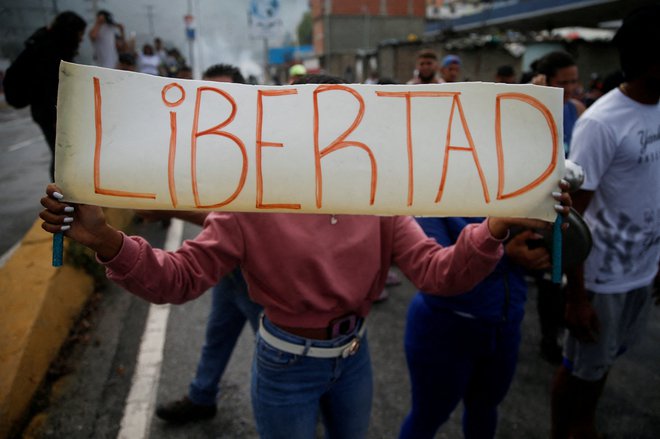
(127, 59)
(526, 77)
(613, 80)
(636, 39)
(65, 31)
(427, 53)
(505, 70)
(551, 62)
(107, 15)
(225, 70)
(386, 81)
(318, 78)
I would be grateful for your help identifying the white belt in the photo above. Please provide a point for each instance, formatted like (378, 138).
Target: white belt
(343, 351)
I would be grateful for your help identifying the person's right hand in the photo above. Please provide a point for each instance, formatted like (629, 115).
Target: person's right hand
(80, 222)
(519, 252)
(582, 321)
(539, 79)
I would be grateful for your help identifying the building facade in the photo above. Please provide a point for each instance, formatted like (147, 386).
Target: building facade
(342, 28)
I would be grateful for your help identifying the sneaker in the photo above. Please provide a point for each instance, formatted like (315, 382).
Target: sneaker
(382, 296)
(392, 279)
(184, 410)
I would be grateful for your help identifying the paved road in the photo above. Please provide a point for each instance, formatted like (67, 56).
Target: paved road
(89, 401)
(24, 161)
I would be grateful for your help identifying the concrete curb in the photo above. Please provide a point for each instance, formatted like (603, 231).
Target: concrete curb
(39, 305)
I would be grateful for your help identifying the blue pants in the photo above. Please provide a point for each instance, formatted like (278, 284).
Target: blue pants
(290, 391)
(453, 358)
(230, 309)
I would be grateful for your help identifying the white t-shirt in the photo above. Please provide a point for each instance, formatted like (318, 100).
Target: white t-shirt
(105, 46)
(617, 142)
(148, 64)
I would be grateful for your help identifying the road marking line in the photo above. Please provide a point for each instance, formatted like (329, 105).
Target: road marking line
(139, 406)
(4, 258)
(24, 143)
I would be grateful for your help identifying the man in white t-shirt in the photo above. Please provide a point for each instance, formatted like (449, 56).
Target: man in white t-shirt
(617, 142)
(104, 36)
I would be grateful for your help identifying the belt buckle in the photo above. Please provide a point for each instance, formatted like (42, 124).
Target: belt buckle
(342, 325)
(352, 348)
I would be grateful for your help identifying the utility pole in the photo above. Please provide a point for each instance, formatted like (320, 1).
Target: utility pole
(266, 73)
(190, 35)
(150, 17)
(366, 29)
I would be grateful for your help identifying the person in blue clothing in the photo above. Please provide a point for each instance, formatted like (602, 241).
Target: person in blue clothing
(230, 309)
(556, 69)
(466, 347)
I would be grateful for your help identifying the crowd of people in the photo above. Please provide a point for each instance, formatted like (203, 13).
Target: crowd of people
(464, 348)
(602, 310)
(463, 326)
(32, 78)
(113, 49)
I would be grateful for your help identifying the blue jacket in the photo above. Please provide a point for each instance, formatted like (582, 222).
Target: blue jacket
(499, 297)
(570, 117)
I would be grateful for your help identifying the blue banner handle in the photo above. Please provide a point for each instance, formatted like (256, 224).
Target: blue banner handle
(58, 249)
(556, 250)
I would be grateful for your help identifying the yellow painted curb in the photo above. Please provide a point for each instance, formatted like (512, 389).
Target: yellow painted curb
(39, 304)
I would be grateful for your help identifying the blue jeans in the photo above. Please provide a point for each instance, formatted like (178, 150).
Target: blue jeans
(230, 309)
(451, 357)
(290, 391)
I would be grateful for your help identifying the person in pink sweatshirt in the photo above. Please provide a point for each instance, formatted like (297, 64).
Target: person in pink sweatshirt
(316, 275)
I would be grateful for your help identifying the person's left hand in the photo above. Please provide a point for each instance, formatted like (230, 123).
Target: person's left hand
(539, 79)
(582, 321)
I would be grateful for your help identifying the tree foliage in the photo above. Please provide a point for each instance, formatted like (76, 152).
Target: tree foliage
(305, 29)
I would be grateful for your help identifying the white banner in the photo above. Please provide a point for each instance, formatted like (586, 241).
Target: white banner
(465, 149)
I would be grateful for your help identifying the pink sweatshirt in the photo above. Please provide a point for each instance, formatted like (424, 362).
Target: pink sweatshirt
(303, 269)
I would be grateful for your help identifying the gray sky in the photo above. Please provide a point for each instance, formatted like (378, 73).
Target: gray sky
(222, 30)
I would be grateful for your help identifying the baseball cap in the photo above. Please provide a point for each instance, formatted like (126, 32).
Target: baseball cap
(297, 70)
(450, 59)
